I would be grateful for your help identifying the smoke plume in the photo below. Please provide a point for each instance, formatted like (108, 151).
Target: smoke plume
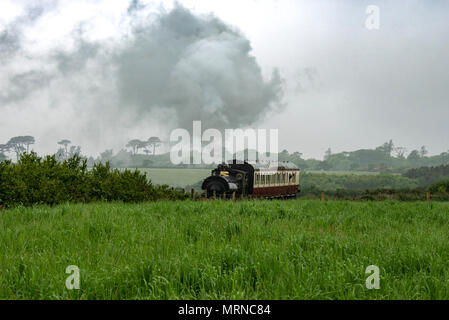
(168, 68)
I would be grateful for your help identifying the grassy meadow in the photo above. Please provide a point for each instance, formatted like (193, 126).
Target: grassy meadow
(176, 177)
(299, 249)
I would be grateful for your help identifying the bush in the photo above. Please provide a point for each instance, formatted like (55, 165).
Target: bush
(34, 180)
(440, 187)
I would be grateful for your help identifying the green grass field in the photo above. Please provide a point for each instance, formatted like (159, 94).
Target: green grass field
(226, 250)
(176, 177)
(358, 173)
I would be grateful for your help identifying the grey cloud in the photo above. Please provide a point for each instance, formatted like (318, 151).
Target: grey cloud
(191, 67)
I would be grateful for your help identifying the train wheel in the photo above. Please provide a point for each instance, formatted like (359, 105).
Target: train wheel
(215, 188)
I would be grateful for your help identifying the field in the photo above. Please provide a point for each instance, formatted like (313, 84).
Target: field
(226, 250)
(185, 177)
(330, 172)
(176, 177)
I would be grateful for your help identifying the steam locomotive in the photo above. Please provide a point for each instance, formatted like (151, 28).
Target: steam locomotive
(257, 180)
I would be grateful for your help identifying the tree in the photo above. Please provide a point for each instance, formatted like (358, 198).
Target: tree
(18, 144)
(327, 154)
(60, 155)
(65, 144)
(413, 156)
(387, 148)
(29, 140)
(400, 152)
(154, 142)
(324, 165)
(74, 150)
(4, 148)
(423, 152)
(135, 145)
(106, 155)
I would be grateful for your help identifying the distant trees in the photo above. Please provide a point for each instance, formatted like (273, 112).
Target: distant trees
(428, 175)
(64, 143)
(64, 152)
(4, 148)
(413, 156)
(387, 148)
(18, 145)
(154, 142)
(423, 151)
(327, 154)
(400, 152)
(106, 156)
(135, 145)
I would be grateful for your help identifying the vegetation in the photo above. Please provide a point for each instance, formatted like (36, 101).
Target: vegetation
(226, 250)
(425, 176)
(440, 187)
(333, 182)
(33, 180)
(386, 158)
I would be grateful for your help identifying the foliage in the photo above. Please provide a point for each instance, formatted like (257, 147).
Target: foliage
(440, 187)
(332, 182)
(428, 175)
(33, 180)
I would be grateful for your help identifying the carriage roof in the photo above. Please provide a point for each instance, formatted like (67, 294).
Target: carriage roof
(269, 165)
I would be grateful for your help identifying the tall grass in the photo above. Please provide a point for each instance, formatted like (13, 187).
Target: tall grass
(226, 250)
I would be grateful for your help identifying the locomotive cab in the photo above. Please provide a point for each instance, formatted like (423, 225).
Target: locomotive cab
(224, 181)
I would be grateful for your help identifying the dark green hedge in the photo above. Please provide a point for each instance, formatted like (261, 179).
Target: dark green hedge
(34, 180)
(418, 194)
(440, 187)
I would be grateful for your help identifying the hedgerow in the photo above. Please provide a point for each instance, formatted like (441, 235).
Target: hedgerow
(441, 187)
(35, 180)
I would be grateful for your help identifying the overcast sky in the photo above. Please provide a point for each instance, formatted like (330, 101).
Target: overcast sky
(95, 72)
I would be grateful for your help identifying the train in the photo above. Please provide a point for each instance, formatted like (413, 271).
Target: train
(263, 180)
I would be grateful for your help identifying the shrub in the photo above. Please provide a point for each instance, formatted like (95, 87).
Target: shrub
(35, 180)
(440, 187)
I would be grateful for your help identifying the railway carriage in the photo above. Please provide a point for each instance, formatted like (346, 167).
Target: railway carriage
(256, 179)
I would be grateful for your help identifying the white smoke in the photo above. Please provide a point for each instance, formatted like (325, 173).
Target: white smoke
(167, 69)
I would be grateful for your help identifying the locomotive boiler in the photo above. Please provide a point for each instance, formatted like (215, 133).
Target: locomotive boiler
(256, 179)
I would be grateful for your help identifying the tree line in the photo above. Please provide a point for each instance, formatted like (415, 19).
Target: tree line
(387, 158)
